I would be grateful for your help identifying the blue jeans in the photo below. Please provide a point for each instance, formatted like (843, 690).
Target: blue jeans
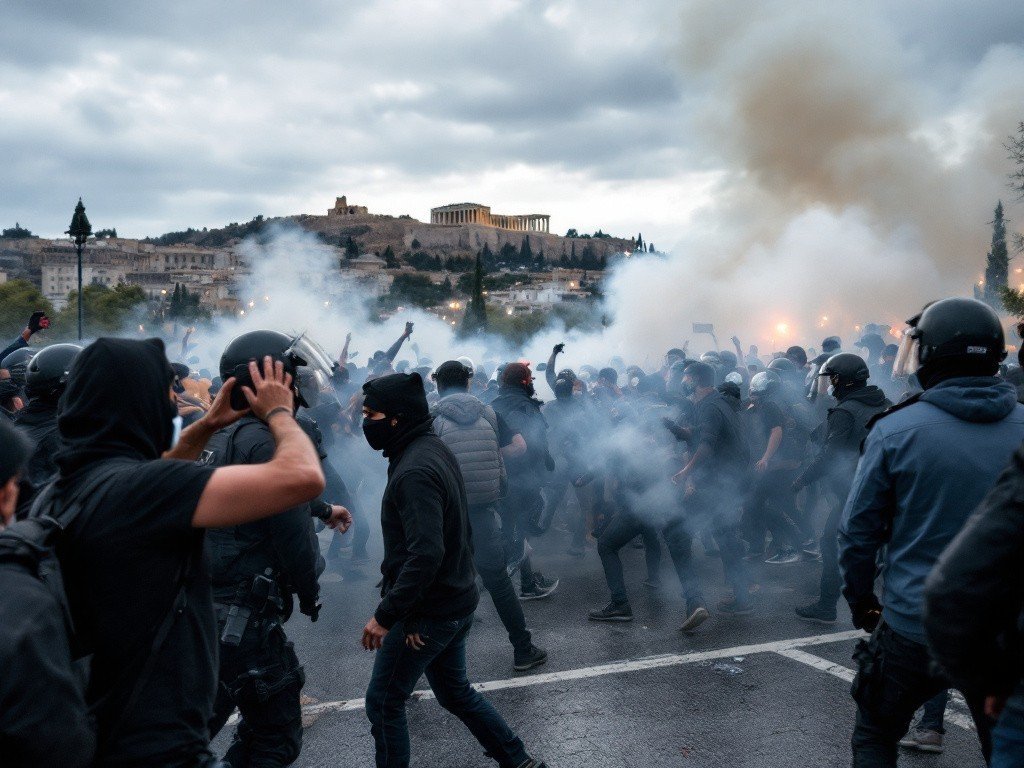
(1008, 735)
(398, 668)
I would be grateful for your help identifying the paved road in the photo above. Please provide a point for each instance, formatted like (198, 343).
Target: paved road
(788, 707)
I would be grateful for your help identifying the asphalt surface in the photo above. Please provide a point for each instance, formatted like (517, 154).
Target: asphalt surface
(773, 711)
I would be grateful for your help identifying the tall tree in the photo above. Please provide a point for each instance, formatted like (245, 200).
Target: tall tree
(475, 319)
(526, 252)
(997, 266)
(640, 242)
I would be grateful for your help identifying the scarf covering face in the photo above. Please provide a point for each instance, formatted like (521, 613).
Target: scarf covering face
(116, 404)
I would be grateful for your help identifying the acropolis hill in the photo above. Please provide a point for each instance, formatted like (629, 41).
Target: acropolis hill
(459, 231)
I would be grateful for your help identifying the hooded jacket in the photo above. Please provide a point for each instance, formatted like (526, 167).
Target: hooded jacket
(926, 466)
(470, 430)
(428, 556)
(126, 552)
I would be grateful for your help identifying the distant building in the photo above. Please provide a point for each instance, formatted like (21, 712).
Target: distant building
(60, 279)
(474, 213)
(342, 208)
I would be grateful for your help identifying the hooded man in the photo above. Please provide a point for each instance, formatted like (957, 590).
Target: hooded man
(926, 465)
(43, 717)
(134, 506)
(523, 505)
(479, 439)
(428, 593)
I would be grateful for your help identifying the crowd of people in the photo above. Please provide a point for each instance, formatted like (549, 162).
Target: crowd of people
(160, 525)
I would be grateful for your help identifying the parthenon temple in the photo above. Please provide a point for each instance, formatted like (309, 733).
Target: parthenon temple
(472, 213)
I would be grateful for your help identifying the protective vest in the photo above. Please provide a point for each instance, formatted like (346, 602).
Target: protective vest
(470, 430)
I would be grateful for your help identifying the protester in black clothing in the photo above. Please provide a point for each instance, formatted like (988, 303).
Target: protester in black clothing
(835, 464)
(479, 439)
(523, 505)
(428, 593)
(772, 502)
(139, 535)
(43, 717)
(648, 504)
(715, 477)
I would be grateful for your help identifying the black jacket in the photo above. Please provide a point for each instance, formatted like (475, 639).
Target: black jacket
(846, 428)
(38, 420)
(521, 412)
(974, 597)
(285, 542)
(45, 720)
(428, 557)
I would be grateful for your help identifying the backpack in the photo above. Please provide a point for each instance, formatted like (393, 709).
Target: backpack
(31, 544)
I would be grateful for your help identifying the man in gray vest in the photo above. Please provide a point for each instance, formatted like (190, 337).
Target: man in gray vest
(847, 426)
(479, 438)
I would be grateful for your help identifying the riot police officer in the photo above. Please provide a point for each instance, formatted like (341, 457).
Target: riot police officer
(256, 570)
(846, 427)
(45, 379)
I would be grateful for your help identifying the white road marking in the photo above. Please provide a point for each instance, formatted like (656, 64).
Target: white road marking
(844, 673)
(614, 668)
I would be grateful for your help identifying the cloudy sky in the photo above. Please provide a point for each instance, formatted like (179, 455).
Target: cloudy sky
(688, 120)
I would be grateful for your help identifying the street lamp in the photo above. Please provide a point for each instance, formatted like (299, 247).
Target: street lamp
(79, 231)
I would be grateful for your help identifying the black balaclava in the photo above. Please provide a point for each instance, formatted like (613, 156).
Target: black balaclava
(116, 404)
(398, 396)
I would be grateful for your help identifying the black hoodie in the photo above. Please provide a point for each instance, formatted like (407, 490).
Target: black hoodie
(38, 419)
(123, 554)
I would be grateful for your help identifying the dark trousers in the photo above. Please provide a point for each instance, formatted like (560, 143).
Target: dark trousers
(625, 527)
(893, 680)
(396, 670)
(489, 559)
(554, 493)
(520, 508)
(773, 507)
(262, 677)
(831, 579)
(716, 508)
(934, 712)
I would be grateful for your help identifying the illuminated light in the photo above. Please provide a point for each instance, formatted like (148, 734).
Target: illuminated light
(453, 322)
(508, 311)
(327, 303)
(266, 298)
(856, 327)
(782, 328)
(163, 291)
(241, 311)
(824, 318)
(252, 304)
(141, 329)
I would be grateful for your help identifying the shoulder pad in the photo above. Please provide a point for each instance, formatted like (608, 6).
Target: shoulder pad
(893, 409)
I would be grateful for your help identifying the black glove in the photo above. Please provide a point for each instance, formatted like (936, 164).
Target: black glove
(39, 321)
(311, 609)
(559, 348)
(866, 613)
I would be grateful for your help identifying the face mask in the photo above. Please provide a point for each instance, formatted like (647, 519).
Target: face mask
(177, 421)
(530, 389)
(377, 433)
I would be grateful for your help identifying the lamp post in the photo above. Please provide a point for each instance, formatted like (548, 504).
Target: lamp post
(79, 231)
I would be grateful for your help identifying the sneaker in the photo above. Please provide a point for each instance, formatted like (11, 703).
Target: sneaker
(540, 588)
(612, 612)
(783, 557)
(697, 614)
(818, 613)
(923, 740)
(533, 657)
(730, 607)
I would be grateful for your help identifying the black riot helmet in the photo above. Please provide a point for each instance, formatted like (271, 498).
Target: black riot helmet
(255, 345)
(47, 372)
(17, 363)
(957, 337)
(846, 371)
